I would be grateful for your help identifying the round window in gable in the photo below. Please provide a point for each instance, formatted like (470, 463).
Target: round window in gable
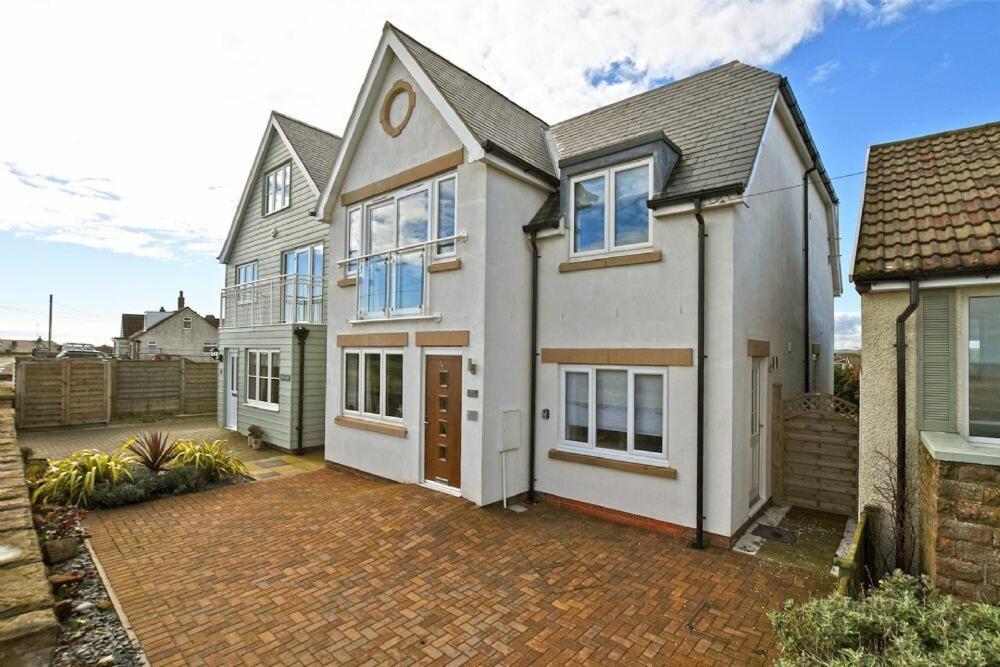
(397, 108)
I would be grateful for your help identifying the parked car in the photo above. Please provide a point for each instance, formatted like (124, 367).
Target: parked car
(80, 351)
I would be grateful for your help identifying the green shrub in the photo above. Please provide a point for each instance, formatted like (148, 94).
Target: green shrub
(153, 449)
(115, 495)
(847, 383)
(212, 458)
(71, 480)
(903, 621)
(147, 485)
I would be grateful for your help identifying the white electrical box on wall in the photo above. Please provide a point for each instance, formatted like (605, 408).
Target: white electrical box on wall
(510, 425)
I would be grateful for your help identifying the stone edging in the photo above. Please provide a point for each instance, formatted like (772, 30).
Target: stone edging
(28, 625)
(116, 603)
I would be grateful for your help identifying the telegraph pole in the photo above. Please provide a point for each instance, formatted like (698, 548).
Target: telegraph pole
(50, 324)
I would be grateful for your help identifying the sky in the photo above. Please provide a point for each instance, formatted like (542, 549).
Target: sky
(127, 130)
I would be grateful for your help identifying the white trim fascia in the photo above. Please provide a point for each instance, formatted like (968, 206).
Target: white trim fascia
(272, 125)
(688, 207)
(516, 172)
(861, 207)
(760, 147)
(365, 103)
(550, 146)
(937, 283)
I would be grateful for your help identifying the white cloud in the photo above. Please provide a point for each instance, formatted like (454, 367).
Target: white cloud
(821, 73)
(887, 12)
(847, 331)
(164, 107)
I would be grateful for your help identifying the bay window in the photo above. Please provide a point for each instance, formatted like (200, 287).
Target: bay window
(618, 412)
(608, 209)
(263, 378)
(984, 369)
(373, 383)
(278, 189)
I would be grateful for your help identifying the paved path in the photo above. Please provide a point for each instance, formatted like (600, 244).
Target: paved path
(328, 568)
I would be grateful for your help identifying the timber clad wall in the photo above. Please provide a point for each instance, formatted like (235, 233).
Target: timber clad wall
(69, 392)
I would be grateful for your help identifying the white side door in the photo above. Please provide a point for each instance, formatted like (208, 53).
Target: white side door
(232, 386)
(756, 422)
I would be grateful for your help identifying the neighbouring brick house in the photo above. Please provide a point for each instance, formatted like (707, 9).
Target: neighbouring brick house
(926, 265)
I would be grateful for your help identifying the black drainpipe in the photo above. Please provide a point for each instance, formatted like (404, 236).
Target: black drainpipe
(805, 264)
(901, 421)
(534, 365)
(301, 333)
(699, 521)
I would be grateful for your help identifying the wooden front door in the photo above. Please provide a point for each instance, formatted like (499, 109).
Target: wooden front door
(443, 420)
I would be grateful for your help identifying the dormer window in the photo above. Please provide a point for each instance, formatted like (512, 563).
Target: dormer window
(278, 189)
(608, 209)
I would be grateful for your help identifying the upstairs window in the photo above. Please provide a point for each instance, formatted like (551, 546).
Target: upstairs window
(246, 273)
(187, 322)
(278, 189)
(151, 347)
(608, 209)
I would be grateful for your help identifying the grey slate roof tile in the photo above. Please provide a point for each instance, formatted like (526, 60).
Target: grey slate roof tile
(315, 147)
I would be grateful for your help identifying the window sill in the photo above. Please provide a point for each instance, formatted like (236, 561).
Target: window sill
(650, 469)
(349, 281)
(368, 425)
(402, 318)
(271, 407)
(449, 265)
(647, 257)
(953, 447)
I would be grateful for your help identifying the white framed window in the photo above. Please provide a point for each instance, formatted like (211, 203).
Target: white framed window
(983, 372)
(444, 214)
(303, 284)
(278, 189)
(353, 238)
(209, 347)
(373, 383)
(614, 411)
(151, 347)
(608, 210)
(246, 273)
(187, 322)
(263, 378)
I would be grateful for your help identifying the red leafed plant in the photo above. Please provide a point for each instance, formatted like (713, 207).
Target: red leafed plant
(153, 449)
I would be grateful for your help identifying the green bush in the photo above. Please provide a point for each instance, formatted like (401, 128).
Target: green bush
(153, 449)
(71, 480)
(147, 485)
(903, 621)
(212, 458)
(115, 495)
(847, 383)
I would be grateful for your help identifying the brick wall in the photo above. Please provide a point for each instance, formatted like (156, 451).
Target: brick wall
(960, 527)
(28, 627)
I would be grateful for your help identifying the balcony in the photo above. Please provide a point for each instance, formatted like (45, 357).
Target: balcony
(287, 299)
(393, 284)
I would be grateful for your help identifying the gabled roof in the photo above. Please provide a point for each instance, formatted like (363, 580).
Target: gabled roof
(315, 147)
(493, 119)
(131, 323)
(186, 310)
(313, 150)
(931, 207)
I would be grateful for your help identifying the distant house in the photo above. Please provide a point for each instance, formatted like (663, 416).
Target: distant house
(847, 358)
(927, 266)
(25, 346)
(158, 334)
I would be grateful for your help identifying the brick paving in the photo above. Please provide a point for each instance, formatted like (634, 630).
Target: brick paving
(329, 568)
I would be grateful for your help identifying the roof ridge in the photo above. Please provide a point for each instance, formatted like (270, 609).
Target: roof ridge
(658, 88)
(467, 73)
(275, 112)
(935, 135)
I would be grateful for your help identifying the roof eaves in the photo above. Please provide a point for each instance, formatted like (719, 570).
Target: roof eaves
(800, 124)
(491, 147)
(708, 193)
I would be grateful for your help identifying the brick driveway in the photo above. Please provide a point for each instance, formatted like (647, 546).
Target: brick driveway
(326, 568)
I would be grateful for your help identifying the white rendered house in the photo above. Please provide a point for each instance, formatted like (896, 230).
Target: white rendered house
(514, 305)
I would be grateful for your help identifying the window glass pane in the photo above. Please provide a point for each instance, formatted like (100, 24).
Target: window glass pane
(317, 284)
(275, 364)
(984, 367)
(408, 280)
(394, 385)
(446, 214)
(262, 375)
(577, 407)
(351, 362)
(413, 218)
(262, 385)
(612, 410)
(353, 238)
(373, 383)
(588, 214)
(382, 227)
(269, 196)
(288, 185)
(631, 212)
(648, 416)
(251, 375)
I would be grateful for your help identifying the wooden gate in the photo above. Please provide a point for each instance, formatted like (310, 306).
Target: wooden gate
(816, 457)
(62, 392)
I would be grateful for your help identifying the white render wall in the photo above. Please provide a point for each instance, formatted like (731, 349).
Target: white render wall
(647, 305)
(768, 302)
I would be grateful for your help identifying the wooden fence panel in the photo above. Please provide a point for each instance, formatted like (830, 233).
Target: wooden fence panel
(819, 454)
(61, 392)
(201, 386)
(147, 388)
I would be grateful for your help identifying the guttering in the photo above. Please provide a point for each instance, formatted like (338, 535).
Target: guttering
(490, 147)
(807, 139)
(805, 277)
(709, 193)
(900, 509)
(533, 391)
(301, 333)
(699, 522)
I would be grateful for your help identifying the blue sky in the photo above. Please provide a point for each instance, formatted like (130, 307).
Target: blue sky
(122, 162)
